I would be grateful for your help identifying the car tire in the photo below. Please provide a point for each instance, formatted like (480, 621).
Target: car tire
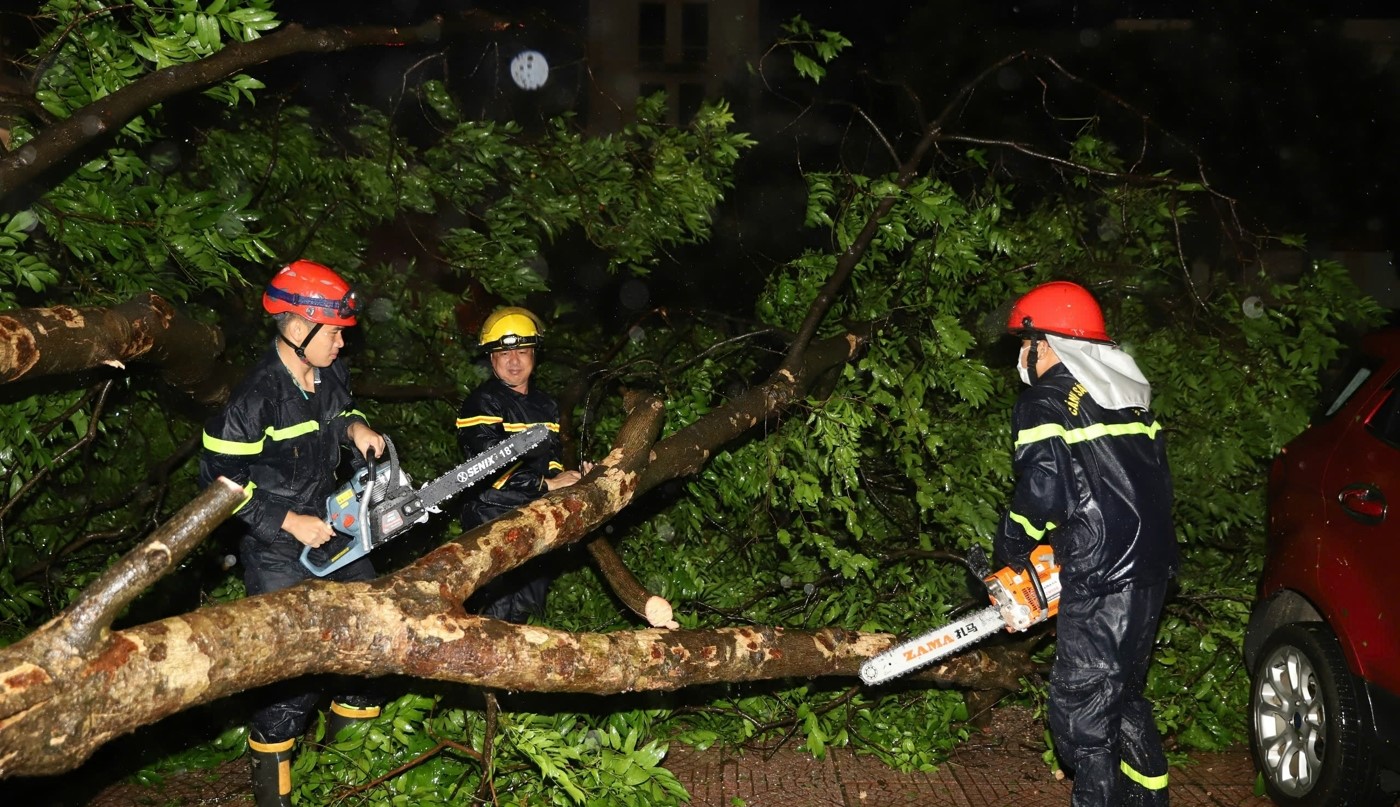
(1308, 730)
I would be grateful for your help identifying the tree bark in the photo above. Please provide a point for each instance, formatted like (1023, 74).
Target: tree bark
(36, 342)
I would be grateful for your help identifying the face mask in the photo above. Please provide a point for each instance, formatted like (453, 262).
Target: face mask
(1021, 367)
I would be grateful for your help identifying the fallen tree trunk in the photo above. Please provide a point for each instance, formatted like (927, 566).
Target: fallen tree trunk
(73, 685)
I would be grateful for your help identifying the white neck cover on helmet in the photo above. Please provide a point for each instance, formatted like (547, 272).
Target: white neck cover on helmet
(1106, 371)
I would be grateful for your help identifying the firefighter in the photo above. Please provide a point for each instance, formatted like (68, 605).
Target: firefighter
(1092, 480)
(280, 436)
(505, 404)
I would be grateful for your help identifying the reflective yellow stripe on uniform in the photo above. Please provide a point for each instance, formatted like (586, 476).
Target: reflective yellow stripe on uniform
(520, 427)
(247, 495)
(220, 446)
(271, 748)
(1148, 782)
(1030, 528)
(479, 420)
(556, 466)
(357, 712)
(500, 483)
(1086, 433)
(239, 449)
(297, 430)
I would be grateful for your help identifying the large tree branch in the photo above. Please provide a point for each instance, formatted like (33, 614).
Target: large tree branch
(58, 706)
(87, 620)
(61, 140)
(36, 342)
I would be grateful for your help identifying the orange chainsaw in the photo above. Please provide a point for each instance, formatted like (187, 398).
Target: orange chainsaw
(1020, 599)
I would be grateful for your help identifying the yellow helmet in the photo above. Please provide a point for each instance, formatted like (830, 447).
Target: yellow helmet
(509, 328)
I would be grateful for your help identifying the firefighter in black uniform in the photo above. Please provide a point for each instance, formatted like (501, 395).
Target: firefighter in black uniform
(503, 405)
(1092, 480)
(280, 436)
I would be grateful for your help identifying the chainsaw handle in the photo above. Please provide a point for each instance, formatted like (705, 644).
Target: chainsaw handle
(345, 556)
(1026, 565)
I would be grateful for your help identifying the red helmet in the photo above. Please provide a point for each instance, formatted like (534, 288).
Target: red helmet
(313, 291)
(1061, 308)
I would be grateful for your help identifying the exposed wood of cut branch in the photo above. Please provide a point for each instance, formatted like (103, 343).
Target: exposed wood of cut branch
(84, 622)
(36, 342)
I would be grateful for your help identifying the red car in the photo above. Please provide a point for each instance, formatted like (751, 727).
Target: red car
(1323, 642)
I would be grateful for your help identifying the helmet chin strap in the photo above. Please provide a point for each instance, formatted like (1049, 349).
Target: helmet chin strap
(300, 350)
(1032, 355)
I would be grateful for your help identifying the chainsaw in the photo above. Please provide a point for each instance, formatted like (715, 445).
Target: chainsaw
(379, 503)
(1020, 598)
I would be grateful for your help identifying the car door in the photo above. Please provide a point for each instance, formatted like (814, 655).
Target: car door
(1359, 538)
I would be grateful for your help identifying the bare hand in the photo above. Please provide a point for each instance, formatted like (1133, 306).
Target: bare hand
(366, 439)
(562, 480)
(310, 530)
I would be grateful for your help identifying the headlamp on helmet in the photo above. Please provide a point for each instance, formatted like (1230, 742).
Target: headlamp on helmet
(510, 328)
(311, 291)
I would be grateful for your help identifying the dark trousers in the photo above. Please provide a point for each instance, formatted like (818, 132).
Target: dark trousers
(1101, 722)
(273, 569)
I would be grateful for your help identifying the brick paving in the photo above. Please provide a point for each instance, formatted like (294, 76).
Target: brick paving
(987, 771)
(977, 777)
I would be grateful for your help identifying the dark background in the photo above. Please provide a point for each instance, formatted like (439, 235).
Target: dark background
(1286, 113)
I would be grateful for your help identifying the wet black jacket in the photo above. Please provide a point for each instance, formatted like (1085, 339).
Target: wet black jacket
(282, 445)
(1094, 483)
(490, 414)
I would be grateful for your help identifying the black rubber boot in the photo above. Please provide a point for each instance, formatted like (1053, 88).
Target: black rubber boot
(342, 715)
(272, 771)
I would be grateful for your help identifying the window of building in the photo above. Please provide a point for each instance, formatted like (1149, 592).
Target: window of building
(695, 32)
(651, 32)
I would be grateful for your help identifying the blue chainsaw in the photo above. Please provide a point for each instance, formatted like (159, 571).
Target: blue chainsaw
(379, 503)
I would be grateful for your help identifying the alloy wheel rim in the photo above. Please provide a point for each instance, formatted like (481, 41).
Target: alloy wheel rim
(1290, 721)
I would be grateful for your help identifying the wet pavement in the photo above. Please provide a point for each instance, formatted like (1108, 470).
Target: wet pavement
(971, 777)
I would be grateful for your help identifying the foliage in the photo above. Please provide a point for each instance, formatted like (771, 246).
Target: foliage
(553, 759)
(840, 512)
(811, 48)
(831, 517)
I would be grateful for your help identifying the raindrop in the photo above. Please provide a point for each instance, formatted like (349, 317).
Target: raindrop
(381, 310)
(637, 334)
(165, 157)
(1110, 229)
(785, 582)
(92, 125)
(1008, 79)
(26, 155)
(1253, 307)
(537, 264)
(229, 226)
(809, 589)
(634, 295)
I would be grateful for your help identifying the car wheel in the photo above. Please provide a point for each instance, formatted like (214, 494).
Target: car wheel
(1307, 728)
